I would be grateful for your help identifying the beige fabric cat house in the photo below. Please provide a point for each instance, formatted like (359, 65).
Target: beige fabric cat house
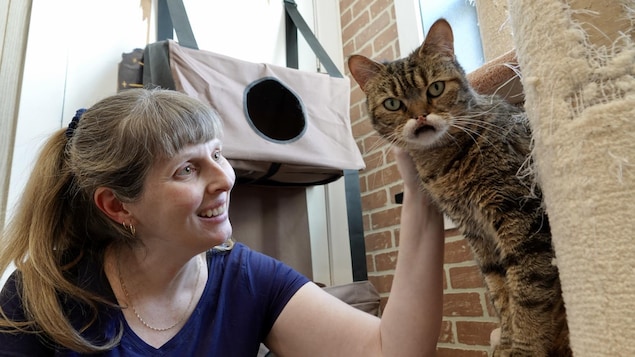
(578, 71)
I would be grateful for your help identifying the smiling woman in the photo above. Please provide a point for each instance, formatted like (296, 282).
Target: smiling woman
(103, 192)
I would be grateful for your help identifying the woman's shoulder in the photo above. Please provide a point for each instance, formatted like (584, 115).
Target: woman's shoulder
(238, 255)
(241, 260)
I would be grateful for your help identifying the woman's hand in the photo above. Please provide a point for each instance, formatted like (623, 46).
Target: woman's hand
(406, 167)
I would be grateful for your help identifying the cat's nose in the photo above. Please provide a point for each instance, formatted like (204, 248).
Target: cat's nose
(421, 119)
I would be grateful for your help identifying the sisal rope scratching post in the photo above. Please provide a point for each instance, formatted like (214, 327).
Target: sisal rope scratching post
(578, 73)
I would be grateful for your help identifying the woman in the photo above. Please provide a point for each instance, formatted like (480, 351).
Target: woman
(122, 244)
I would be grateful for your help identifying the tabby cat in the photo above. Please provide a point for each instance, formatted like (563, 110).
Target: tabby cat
(472, 153)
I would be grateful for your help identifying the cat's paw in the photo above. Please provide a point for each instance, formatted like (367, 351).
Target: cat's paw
(495, 337)
(502, 351)
(511, 352)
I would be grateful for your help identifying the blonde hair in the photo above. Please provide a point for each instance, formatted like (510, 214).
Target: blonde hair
(57, 222)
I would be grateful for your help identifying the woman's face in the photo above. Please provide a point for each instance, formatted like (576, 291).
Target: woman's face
(185, 202)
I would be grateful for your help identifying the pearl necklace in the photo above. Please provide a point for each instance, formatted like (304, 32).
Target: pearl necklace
(143, 322)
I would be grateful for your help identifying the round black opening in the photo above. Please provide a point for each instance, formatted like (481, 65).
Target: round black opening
(274, 110)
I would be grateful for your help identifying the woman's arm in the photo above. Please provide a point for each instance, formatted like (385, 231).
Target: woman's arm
(315, 323)
(411, 322)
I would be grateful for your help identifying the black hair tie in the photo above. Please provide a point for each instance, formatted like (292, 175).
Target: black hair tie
(73, 124)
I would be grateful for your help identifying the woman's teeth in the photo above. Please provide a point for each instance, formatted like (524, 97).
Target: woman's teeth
(214, 212)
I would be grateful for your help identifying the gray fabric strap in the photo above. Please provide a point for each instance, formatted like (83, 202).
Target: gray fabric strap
(176, 20)
(292, 10)
(156, 66)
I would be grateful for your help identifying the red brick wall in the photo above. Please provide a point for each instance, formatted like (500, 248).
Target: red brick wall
(369, 28)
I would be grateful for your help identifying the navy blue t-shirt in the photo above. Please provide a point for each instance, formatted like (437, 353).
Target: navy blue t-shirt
(245, 293)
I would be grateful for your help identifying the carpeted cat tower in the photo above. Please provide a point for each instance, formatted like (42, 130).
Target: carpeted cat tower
(577, 60)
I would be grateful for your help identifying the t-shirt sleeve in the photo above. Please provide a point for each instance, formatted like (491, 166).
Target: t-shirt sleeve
(18, 343)
(274, 282)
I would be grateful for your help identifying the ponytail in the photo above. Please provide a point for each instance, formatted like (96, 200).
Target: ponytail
(37, 240)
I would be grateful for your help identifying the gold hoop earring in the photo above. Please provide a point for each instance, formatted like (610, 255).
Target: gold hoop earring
(129, 228)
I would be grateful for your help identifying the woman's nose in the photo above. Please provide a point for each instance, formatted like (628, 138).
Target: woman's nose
(221, 177)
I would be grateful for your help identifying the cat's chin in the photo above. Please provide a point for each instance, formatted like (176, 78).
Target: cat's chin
(422, 135)
(422, 144)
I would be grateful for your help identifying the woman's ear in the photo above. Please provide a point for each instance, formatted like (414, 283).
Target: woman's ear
(108, 203)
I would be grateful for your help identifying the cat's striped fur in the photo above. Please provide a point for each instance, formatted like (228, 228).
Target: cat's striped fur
(473, 154)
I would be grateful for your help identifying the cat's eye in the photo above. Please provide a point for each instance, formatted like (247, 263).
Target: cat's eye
(436, 89)
(392, 104)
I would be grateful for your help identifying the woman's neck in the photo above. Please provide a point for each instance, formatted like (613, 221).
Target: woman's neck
(156, 296)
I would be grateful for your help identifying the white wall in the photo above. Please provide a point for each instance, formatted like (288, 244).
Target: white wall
(74, 48)
(71, 62)
(409, 25)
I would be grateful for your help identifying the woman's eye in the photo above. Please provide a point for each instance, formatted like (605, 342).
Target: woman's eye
(217, 155)
(436, 89)
(392, 104)
(186, 170)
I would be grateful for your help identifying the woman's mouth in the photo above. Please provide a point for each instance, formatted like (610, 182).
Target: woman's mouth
(214, 212)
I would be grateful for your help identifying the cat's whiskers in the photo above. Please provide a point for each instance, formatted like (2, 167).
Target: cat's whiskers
(374, 161)
(394, 138)
(504, 84)
(462, 124)
(479, 111)
(377, 145)
(478, 127)
(453, 139)
(474, 116)
(484, 126)
(469, 132)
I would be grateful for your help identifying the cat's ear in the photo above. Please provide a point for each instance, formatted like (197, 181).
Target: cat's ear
(439, 38)
(363, 69)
